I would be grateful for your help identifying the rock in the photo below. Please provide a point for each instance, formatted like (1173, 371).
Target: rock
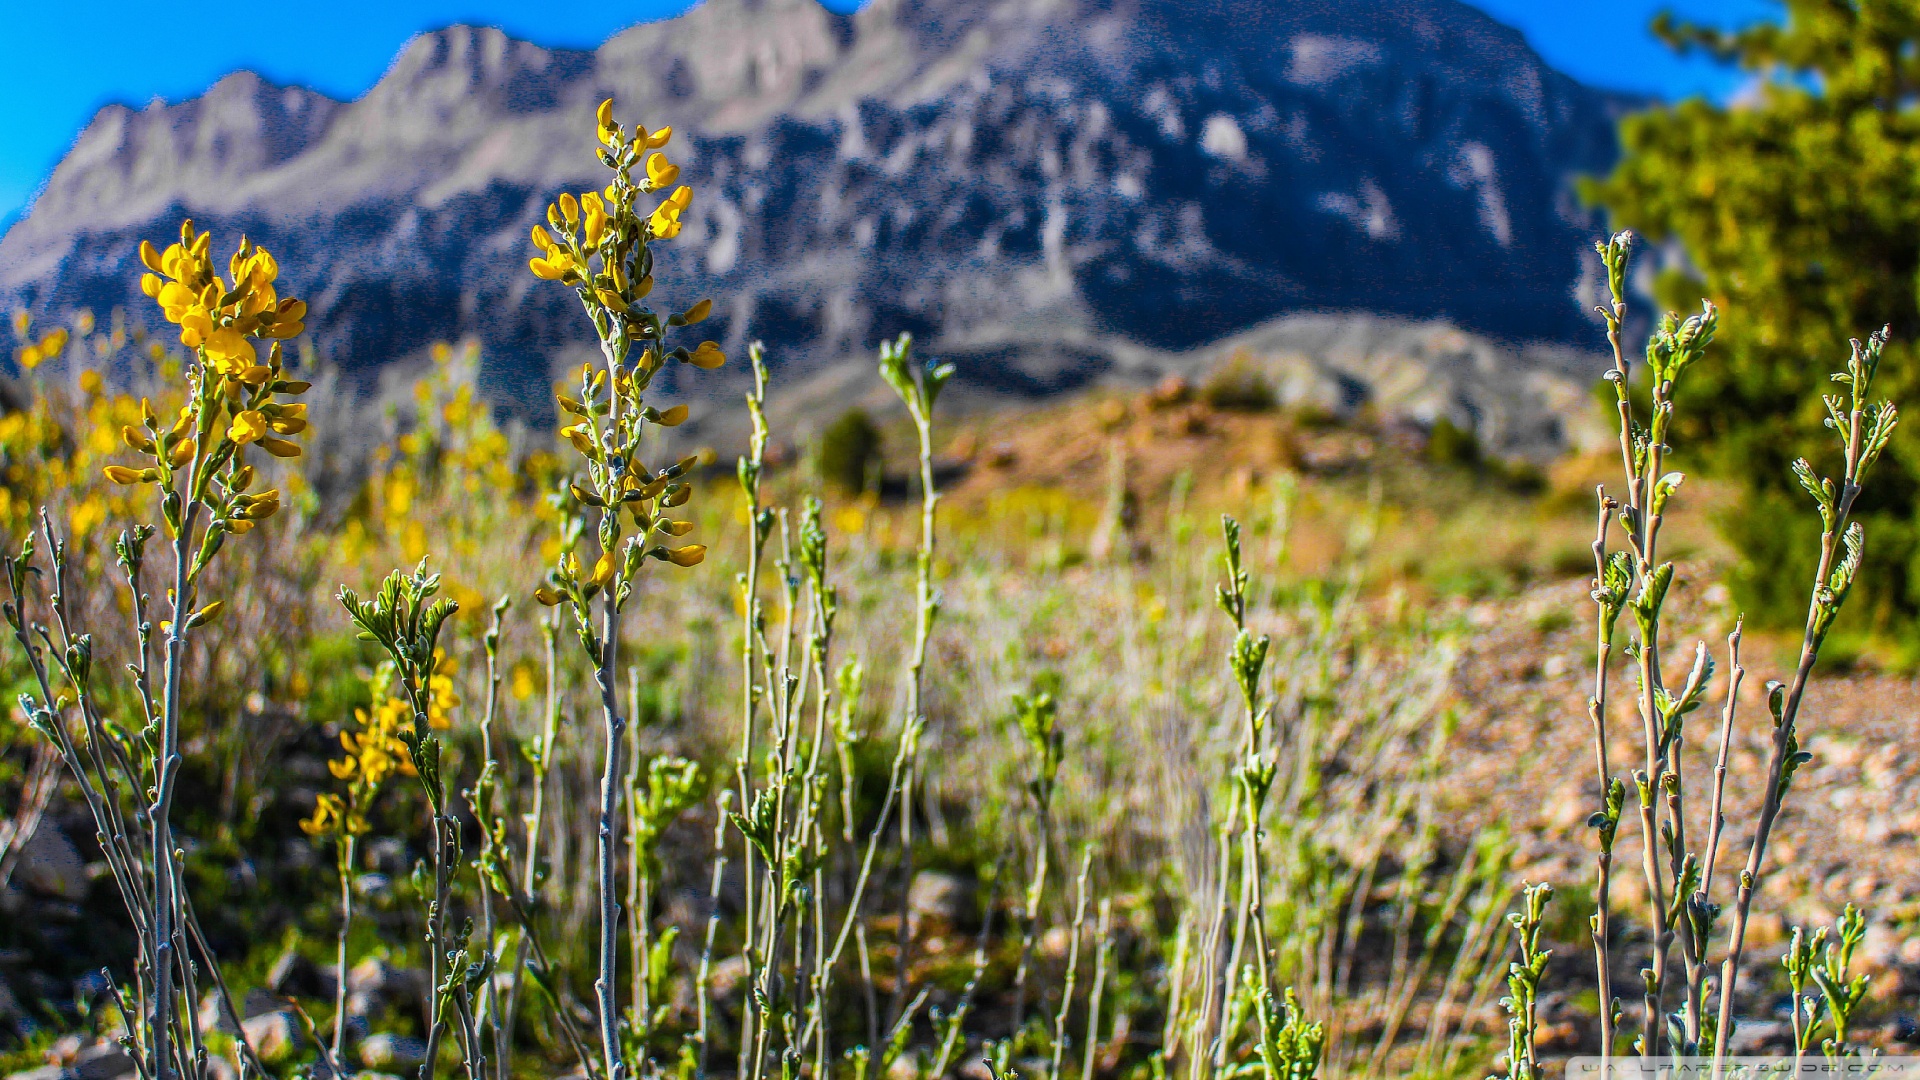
(1901, 1028)
(51, 866)
(275, 1036)
(378, 978)
(69, 1059)
(940, 897)
(1754, 1037)
(294, 975)
(727, 976)
(904, 1067)
(396, 1052)
(213, 1017)
(374, 985)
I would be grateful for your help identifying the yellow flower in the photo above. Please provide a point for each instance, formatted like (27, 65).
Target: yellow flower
(697, 313)
(328, 811)
(659, 138)
(195, 326)
(603, 569)
(441, 700)
(596, 217)
(604, 117)
(666, 217)
(708, 356)
(228, 353)
(691, 555)
(176, 300)
(522, 684)
(660, 171)
(553, 267)
(247, 427)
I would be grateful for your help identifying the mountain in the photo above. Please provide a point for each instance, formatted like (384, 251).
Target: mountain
(1033, 187)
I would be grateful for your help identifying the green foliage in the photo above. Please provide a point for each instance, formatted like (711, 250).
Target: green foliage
(1450, 444)
(1798, 213)
(1239, 387)
(849, 453)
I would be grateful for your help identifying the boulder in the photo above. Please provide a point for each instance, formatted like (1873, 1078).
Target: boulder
(392, 1052)
(51, 866)
(295, 975)
(941, 898)
(275, 1036)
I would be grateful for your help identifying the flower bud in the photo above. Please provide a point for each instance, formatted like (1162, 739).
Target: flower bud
(691, 555)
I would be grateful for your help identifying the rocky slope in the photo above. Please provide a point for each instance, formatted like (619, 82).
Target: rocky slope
(1034, 186)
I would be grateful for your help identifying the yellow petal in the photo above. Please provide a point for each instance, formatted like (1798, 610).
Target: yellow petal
(708, 356)
(691, 555)
(248, 427)
(697, 313)
(279, 448)
(673, 417)
(228, 352)
(603, 569)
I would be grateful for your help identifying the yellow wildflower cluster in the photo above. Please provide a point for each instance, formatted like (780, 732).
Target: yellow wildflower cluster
(50, 455)
(212, 316)
(50, 346)
(451, 484)
(231, 402)
(379, 750)
(599, 245)
(373, 754)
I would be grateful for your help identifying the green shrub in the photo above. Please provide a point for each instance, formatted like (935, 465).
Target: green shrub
(849, 452)
(1239, 387)
(1450, 444)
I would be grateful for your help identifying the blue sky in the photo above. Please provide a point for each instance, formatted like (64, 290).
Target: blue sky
(53, 76)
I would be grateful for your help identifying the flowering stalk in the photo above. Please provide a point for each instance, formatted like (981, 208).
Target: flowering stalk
(600, 247)
(197, 462)
(373, 753)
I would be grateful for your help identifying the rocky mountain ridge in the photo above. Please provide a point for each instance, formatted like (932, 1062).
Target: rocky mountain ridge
(1033, 187)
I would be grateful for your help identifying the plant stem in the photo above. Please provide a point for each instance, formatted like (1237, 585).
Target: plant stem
(615, 729)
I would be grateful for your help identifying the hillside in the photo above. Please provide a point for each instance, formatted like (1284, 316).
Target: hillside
(1035, 187)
